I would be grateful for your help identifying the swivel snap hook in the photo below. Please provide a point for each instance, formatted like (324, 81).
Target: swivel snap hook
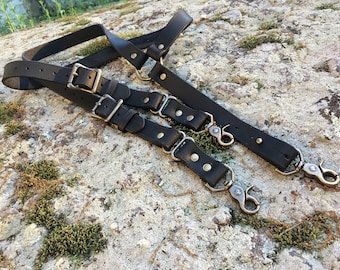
(325, 176)
(244, 199)
(223, 137)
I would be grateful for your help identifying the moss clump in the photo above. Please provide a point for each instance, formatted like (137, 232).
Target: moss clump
(43, 215)
(94, 46)
(10, 111)
(102, 43)
(327, 6)
(129, 34)
(252, 41)
(13, 128)
(40, 182)
(42, 170)
(40, 179)
(314, 232)
(268, 25)
(78, 241)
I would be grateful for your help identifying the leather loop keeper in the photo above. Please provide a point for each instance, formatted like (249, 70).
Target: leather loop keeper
(115, 90)
(126, 123)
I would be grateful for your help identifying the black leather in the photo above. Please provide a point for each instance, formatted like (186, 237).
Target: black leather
(34, 75)
(111, 97)
(273, 150)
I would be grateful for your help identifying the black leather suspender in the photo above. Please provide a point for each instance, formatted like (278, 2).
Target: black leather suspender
(111, 101)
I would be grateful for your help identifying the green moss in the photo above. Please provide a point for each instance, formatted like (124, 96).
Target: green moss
(94, 46)
(43, 170)
(72, 182)
(327, 6)
(40, 182)
(252, 41)
(12, 128)
(129, 34)
(43, 215)
(268, 25)
(39, 179)
(208, 144)
(77, 241)
(10, 111)
(102, 43)
(314, 232)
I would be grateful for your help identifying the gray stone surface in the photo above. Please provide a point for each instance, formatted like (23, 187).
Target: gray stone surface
(160, 215)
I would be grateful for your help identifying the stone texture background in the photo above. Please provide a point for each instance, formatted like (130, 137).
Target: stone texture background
(160, 215)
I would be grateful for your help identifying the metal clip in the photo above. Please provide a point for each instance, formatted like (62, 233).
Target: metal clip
(322, 174)
(244, 199)
(223, 137)
(325, 176)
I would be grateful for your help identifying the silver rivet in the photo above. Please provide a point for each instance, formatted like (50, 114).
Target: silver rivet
(162, 76)
(207, 167)
(238, 192)
(146, 100)
(190, 117)
(133, 55)
(194, 157)
(161, 46)
(179, 113)
(160, 135)
(259, 140)
(215, 130)
(312, 168)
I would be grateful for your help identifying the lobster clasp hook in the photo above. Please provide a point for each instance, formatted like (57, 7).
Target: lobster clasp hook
(244, 199)
(325, 176)
(223, 137)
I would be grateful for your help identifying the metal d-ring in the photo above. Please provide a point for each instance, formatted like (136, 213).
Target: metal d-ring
(146, 77)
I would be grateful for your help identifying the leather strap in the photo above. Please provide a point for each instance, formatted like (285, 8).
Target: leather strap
(30, 74)
(273, 150)
(107, 98)
(278, 153)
